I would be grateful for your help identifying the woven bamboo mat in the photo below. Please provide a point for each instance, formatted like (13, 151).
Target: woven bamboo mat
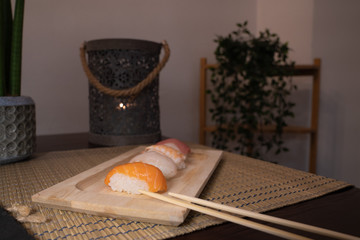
(238, 181)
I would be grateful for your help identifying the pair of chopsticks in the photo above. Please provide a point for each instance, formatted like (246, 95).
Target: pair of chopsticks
(187, 202)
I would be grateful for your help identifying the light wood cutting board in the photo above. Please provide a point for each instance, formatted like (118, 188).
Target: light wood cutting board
(86, 192)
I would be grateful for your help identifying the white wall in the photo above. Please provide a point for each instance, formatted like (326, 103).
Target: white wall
(54, 30)
(293, 22)
(52, 73)
(336, 41)
(324, 29)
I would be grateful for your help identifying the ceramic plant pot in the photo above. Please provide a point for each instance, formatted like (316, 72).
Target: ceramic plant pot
(17, 128)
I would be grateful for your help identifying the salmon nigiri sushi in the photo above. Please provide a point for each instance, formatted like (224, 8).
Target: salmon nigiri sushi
(131, 177)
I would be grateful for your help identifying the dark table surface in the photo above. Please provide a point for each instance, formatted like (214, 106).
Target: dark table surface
(338, 211)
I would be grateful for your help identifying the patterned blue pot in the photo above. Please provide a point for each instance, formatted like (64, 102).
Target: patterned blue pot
(17, 128)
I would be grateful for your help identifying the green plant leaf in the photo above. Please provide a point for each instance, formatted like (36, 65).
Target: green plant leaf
(5, 44)
(16, 49)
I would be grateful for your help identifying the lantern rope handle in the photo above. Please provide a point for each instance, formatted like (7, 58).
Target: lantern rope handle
(133, 91)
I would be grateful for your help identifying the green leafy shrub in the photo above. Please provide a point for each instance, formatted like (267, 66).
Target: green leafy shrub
(250, 92)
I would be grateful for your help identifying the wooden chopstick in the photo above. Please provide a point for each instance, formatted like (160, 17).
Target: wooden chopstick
(225, 216)
(276, 220)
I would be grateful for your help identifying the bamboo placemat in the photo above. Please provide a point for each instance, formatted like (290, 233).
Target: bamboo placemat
(238, 181)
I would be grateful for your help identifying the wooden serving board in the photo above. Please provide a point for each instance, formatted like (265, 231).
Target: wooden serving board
(87, 192)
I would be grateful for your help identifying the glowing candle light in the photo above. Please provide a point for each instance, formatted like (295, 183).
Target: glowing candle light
(121, 106)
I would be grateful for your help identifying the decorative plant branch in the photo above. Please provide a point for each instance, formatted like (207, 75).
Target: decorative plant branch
(250, 90)
(11, 47)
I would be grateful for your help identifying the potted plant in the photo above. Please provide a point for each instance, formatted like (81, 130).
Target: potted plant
(17, 113)
(249, 92)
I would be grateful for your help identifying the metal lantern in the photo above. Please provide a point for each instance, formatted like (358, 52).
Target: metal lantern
(123, 90)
